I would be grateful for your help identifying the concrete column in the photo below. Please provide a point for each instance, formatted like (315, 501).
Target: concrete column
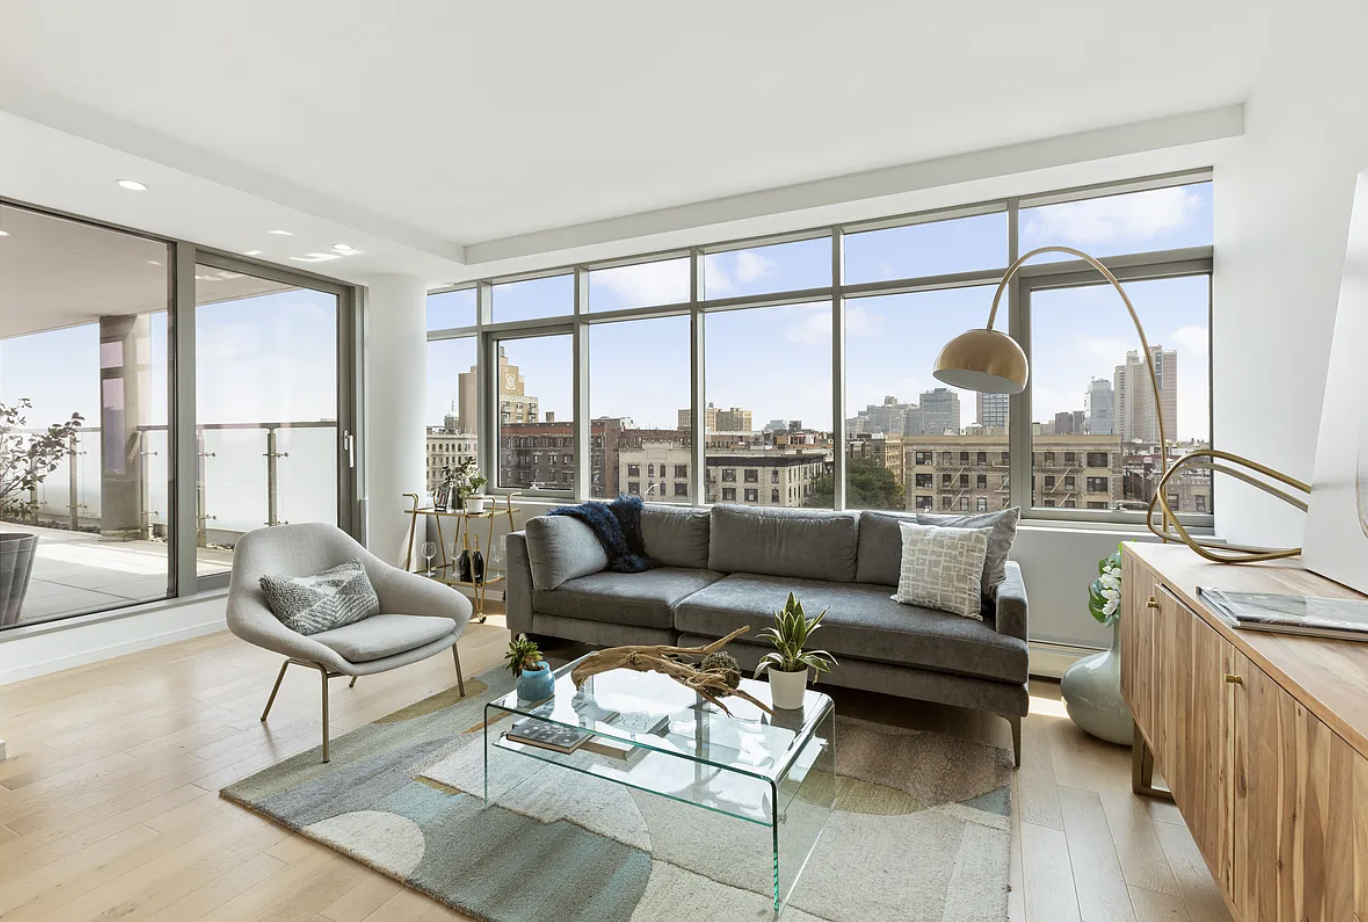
(395, 438)
(125, 367)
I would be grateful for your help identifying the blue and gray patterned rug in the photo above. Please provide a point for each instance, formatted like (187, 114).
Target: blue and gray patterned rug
(921, 830)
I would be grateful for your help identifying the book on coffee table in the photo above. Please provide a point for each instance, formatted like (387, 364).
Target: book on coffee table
(1311, 616)
(536, 730)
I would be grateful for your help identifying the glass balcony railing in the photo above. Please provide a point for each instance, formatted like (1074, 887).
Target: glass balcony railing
(250, 475)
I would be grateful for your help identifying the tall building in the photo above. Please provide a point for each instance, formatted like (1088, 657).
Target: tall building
(717, 420)
(993, 409)
(1099, 407)
(890, 417)
(1135, 417)
(1069, 422)
(515, 406)
(940, 412)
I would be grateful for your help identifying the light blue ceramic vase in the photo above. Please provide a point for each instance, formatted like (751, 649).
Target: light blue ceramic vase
(1092, 694)
(536, 682)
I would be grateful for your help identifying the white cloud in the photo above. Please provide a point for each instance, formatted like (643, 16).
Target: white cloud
(1135, 217)
(1191, 338)
(750, 266)
(648, 283)
(813, 328)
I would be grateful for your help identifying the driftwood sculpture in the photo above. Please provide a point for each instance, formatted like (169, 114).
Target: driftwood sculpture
(712, 684)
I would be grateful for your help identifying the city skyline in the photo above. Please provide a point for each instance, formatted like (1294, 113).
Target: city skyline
(892, 340)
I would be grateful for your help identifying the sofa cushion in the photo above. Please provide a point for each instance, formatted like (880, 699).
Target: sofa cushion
(1003, 524)
(802, 543)
(879, 559)
(862, 622)
(880, 554)
(640, 599)
(942, 568)
(338, 596)
(380, 636)
(560, 548)
(677, 536)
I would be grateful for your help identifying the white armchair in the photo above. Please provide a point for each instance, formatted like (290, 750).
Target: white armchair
(418, 617)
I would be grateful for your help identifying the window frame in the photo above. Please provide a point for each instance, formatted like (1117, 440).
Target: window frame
(1032, 277)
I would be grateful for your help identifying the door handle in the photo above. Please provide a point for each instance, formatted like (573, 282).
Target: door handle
(1151, 602)
(1234, 679)
(349, 443)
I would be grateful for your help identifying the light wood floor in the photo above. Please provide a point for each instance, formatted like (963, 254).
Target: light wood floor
(109, 804)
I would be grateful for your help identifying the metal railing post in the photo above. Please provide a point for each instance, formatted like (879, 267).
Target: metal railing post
(273, 476)
(201, 515)
(74, 507)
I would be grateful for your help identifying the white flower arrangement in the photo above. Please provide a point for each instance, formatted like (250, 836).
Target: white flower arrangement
(1104, 595)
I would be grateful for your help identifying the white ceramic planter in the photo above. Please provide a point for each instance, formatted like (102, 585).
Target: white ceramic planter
(787, 688)
(1092, 694)
(475, 503)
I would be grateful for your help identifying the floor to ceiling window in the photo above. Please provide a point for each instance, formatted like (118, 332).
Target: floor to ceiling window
(796, 370)
(84, 478)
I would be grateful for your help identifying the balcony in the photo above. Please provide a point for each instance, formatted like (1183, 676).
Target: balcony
(103, 542)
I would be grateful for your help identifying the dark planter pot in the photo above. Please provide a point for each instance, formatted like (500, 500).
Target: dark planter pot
(16, 566)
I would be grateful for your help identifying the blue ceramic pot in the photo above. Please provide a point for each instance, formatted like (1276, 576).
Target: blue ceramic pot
(536, 683)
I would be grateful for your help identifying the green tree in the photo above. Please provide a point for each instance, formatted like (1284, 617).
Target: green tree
(869, 485)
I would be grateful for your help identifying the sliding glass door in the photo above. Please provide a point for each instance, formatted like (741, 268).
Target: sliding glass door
(272, 443)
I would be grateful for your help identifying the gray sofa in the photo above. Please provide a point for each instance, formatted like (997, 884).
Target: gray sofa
(732, 565)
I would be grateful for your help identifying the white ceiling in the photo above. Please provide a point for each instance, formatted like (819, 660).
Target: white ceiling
(421, 129)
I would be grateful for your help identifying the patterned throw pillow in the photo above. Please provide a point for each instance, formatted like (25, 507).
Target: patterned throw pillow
(310, 604)
(942, 568)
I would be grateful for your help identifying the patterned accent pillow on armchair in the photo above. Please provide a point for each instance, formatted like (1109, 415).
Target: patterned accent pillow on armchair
(942, 568)
(312, 604)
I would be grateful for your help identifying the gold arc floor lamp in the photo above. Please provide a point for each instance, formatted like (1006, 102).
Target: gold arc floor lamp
(992, 362)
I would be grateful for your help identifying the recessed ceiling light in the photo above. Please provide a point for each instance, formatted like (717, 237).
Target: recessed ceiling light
(132, 185)
(283, 233)
(4, 233)
(316, 257)
(153, 262)
(251, 252)
(344, 248)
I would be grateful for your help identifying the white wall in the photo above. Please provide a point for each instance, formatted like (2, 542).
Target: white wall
(394, 440)
(1283, 197)
(26, 653)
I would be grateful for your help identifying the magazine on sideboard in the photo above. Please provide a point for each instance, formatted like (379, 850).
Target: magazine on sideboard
(1310, 616)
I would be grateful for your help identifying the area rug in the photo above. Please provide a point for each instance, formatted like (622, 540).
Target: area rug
(920, 831)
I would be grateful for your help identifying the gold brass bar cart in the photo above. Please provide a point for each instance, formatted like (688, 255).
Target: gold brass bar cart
(465, 522)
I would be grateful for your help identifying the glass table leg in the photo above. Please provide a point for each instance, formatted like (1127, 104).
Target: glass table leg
(805, 798)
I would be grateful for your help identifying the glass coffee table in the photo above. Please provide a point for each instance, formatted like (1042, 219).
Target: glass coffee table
(645, 731)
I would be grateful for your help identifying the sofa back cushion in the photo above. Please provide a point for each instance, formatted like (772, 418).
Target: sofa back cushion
(560, 547)
(880, 553)
(1002, 526)
(677, 536)
(802, 543)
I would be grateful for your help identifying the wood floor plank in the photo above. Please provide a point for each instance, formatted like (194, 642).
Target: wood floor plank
(1151, 906)
(1199, 892)
(1137, 845)
(1039, 794)
(1050, 895)
(1098, 880)
(361, 900)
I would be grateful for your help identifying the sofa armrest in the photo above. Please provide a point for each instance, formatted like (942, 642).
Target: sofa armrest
(1010, 602)
(518, 585)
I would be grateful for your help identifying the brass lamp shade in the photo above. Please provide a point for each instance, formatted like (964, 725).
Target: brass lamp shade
(985, 361)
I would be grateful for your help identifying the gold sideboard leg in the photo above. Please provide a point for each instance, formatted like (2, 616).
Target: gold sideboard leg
(1142, 769)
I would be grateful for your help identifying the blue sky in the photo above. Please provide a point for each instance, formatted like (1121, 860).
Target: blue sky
(776, 361)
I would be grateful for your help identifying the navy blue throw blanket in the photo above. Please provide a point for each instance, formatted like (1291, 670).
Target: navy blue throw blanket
(617, 525)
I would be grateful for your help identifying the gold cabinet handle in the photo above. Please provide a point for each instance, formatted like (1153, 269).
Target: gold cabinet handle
(1151, 602)
(1234, 679)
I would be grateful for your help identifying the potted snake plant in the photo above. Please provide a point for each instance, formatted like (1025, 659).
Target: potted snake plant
(790, 661)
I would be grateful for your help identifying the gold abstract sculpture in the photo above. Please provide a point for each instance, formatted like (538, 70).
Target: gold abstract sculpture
(712, 684)
(992, 362)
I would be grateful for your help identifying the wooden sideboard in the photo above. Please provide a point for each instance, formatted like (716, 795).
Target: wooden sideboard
(1262, 738)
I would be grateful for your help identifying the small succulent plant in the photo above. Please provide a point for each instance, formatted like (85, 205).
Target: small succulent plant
(724, 663)
(523, 653)
(790, 635)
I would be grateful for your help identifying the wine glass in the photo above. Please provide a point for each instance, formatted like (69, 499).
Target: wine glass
(429, 551)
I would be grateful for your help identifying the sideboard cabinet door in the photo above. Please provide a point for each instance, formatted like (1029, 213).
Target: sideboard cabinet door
(1139, 638)
(1300, 797)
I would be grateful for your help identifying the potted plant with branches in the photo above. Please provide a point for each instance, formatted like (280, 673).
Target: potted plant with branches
(26, 459)
(790, 661)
